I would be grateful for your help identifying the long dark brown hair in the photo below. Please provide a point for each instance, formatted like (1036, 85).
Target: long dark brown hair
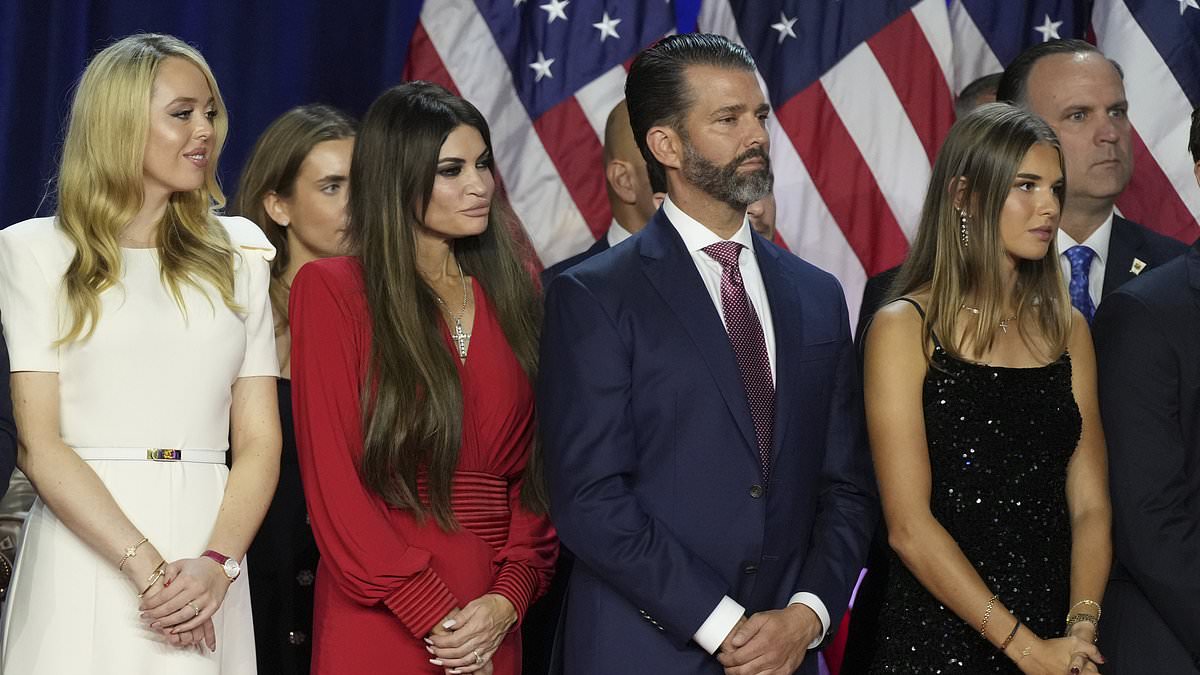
(273, 166)
(412, 400)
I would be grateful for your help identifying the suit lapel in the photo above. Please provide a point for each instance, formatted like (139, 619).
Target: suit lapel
(1123, 247)
(1193, 270)
(670, 269)
(786, 313)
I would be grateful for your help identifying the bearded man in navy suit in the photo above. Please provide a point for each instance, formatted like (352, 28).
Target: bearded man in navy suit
(700, 407)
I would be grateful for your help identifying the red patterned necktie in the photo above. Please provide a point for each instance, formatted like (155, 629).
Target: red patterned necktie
(749, 346)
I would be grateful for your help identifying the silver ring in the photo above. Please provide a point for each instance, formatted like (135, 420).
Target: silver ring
(478, 658)
(194, 609)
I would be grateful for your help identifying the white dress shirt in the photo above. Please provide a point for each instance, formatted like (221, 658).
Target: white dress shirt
(616, 234)
(695, 237)
(1098, 242)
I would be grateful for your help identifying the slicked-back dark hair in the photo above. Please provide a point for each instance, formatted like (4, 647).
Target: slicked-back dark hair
(657, 91)
(968, 98)
(1014, 83)
(1194, 136)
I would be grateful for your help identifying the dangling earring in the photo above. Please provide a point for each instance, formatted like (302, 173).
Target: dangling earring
(962, 228)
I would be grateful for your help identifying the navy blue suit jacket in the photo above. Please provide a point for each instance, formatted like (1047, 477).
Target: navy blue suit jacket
(1148, 362)
(653, 464)
(1130, 240)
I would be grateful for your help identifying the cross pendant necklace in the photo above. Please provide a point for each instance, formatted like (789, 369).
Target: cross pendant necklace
(1003, 322)
(461, 337)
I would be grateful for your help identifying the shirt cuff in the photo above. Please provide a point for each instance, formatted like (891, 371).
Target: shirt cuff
(719, 623)
(814, 603)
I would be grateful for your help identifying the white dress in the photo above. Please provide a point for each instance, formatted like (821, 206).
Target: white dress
(149, 377)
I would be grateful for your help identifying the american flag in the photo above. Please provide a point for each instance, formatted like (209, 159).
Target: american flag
(862, 97)
(862, 92)
(545, 74)
(1157, 43)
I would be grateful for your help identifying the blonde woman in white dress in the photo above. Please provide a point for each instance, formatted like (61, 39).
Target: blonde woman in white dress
(142, 349)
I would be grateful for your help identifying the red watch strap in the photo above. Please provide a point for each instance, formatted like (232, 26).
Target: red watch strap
(213, 555)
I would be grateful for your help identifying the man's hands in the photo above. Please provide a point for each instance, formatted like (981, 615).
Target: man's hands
(770, 643)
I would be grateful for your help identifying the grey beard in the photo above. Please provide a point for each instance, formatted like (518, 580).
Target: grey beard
(724, 183)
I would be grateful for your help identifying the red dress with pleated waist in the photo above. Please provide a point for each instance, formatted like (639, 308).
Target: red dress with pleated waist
(385, 579)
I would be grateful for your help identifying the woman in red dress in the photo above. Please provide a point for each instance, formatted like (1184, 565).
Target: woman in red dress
(412, 364)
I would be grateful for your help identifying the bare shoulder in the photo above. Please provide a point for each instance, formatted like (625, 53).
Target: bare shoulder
(896, 330)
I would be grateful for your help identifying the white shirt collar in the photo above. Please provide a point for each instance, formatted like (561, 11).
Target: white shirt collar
(696, 236)
(617, 234)
(1098, 241)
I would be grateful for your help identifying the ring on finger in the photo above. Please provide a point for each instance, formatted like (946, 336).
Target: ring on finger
(194, 609)
(478, 658)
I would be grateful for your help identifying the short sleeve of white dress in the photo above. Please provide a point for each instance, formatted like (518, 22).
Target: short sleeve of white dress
(252, 266)
(29, 294)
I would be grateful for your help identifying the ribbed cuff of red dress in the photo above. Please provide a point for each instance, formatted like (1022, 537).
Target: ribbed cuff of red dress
(517, 582)
(421, 602)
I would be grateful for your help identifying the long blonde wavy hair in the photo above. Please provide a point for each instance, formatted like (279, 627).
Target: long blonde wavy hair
(100, 183)
(975, 170)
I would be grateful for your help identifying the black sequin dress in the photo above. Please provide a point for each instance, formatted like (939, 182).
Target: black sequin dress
(999, 443)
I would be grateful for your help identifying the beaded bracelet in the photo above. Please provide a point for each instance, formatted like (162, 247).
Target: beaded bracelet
(129, 553)
(1080, 618)
(987, 614)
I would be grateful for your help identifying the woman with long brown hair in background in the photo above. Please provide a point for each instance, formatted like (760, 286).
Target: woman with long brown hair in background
(294, 186)
(980, 383)
(413, 364)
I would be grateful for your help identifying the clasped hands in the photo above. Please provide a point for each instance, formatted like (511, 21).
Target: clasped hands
(466, 639)
(770, 643)
(180, 606)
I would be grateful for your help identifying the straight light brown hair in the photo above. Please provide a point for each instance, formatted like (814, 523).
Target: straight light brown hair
(412, 402)
(975, 169)
(273, 166)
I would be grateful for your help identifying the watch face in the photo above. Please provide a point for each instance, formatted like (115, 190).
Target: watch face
(232, 568)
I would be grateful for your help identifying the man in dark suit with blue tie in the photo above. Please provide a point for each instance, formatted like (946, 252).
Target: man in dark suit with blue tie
(1081, 95)
(700, 407)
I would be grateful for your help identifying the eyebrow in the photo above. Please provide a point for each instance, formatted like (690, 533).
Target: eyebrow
(189, 99)
(459, 160)
(332, 178)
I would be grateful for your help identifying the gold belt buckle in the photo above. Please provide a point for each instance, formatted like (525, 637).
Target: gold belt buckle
(164, 454)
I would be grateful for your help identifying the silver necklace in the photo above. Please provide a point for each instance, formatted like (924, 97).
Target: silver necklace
(1003, 322)
(461, 337)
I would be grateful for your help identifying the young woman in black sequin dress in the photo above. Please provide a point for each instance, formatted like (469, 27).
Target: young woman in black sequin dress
(981, 406)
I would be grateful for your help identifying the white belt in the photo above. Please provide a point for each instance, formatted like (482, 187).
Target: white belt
(153, 454)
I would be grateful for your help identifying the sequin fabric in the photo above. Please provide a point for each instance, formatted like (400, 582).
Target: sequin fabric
(999, 443)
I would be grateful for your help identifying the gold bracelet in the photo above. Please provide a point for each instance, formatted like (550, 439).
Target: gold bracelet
(1008, 640)
(157, 574)
(987, 614)
(1080, 618)
(129, 553)
(1093, 603)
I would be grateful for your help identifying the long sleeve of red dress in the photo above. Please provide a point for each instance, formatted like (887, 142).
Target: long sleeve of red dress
(379, 555)
(373, 559)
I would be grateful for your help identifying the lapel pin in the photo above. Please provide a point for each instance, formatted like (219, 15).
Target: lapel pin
(1137, 267)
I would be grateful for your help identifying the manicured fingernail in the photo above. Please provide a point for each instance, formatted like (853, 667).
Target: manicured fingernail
(428, 641)
(430, 650)
(455, 671)
(436, 662)
(448, 624)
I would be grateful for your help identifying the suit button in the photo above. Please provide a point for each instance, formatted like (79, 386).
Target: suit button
(750, 568)
(756, 491)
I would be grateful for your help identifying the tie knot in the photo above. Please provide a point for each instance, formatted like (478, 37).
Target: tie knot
(724, 252)
(1080, 257)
